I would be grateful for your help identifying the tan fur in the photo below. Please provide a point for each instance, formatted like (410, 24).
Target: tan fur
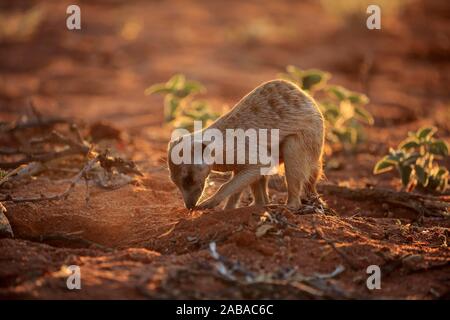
(276, 104)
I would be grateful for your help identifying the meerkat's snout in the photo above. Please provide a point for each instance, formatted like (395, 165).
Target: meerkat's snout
(191, 182)
(189, 178)
(191, 196)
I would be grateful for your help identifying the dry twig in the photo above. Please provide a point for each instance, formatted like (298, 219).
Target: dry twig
(424, 205)
(344, 256)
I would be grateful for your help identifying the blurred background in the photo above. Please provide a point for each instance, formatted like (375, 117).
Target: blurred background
(101, 71)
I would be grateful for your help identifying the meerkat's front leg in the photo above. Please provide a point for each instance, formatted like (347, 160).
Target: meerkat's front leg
(259, 191)
(233, 201)
(235, 185)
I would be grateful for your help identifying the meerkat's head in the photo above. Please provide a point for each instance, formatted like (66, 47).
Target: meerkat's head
(190, 178)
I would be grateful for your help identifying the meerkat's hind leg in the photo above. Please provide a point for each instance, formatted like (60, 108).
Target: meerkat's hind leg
(315, 156)
(259, 191)
(233, 201)
(264, 186)
(309, 188)
(297, 168)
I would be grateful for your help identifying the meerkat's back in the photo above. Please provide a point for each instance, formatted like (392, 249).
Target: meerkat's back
(277, 104)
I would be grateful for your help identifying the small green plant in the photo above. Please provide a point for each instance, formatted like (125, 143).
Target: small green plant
(180, 109)
(20, 26)
(344, 110)
(199, 110)
(414, 160)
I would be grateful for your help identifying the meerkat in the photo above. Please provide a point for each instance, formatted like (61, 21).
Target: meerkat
(277, 104)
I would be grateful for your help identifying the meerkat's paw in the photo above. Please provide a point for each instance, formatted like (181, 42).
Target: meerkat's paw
(257, 203)
(207, 204)
(294, 205)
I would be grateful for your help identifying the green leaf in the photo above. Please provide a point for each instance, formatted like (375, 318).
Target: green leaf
(443, 185)
(184, 123)
(421, 175)
(194, 87)
(358, 98)
(395, 155)
(339, 92)
(177, 81)
(171, 105)
(159, 88)
(294, 71)
(439, 147)
(353, 135)
(384, 165)
(442, 172)
(310, 81)
(364, 115)
(411, 159)
(426, 133)
(405, 174)
(330, 111)
(313, 79)
(409, 144)
(346, 109)
(438, 179)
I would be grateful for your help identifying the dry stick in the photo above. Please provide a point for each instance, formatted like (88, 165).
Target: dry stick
(43, 157)
(312, 288)
(422, 204)
(12, 151)
(344, 257)
(88, 196)
(54, 137)
(73, 148)
(298, 289)
(9, 128)
(60, 196)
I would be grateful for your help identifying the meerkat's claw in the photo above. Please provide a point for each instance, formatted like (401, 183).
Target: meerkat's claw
(207, 204)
